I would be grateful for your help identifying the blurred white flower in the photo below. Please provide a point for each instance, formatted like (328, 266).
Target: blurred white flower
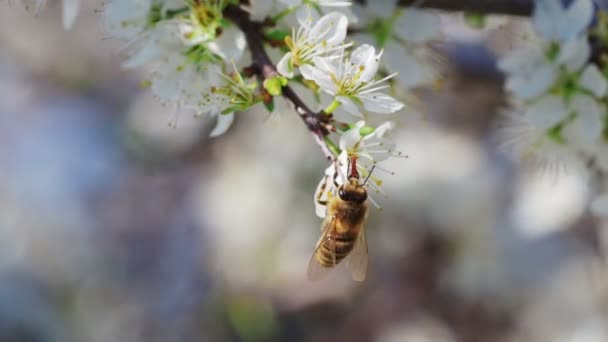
(126, 19)
(599, 206)
(532, 71)
(324, 37)
(527, 141)
(70, 10)
(350, 80)
(550, 15)
(405, 35)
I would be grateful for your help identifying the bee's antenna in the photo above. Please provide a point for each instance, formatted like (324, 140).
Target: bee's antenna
(369, 175)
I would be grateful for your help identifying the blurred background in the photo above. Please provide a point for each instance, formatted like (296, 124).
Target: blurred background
(116, 227)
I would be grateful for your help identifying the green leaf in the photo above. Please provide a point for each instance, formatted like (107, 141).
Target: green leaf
(277, 35)
(274, 85)
(269, 105)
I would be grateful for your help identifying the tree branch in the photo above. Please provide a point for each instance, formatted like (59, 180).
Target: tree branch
(263, 67)
(512, 7)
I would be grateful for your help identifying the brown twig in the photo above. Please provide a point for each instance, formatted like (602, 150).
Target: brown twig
(265, 68)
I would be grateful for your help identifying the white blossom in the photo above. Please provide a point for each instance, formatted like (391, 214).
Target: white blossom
(527, 141)
(557, 23)
(406, 35)
(324, 37)
(532, 71)
(368, 150)
(70, 9)
(350, 80)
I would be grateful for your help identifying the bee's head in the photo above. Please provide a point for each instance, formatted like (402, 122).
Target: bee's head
(352, 191)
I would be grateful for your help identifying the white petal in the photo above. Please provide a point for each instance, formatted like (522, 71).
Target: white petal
(547, 112)
(350, 138)
(575, 53)
(412, 72)
(520, 60)
(321, 76)
(382, 129)
(594, 81)
(70, 11)
(125, 19)
(589, 118)
(284, 66)
(330, 29)
(532, 84)
(230, 45)
(550, 16)
(365, 58)
(380, 103)
(321, 210)
(418, 26)
(343, 167)
(381, 8)
(349, 106)
(578, 16)
(305, 16)
(599, 206)
(224, 121)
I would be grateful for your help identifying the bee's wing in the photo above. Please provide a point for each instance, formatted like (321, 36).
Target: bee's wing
(358, 259)
(317, 271)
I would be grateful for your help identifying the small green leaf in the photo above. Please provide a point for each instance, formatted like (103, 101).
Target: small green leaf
(274, 85)
(277, 35)
(269, 105)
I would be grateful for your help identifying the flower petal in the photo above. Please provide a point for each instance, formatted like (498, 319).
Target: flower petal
(330, 29)
(547, 112)
(574, 53)
(284, 66)
(364, 58)
(418, 26)
(70, 11)
(349, 106)
(588, 119)
(320, 76)
(380, 103)
(594, 81)
(532, 84)
(350, 138)
(224, 121)
(550, 16)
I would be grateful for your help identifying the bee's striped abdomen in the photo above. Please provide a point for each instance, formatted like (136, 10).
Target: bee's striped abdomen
(337, 244)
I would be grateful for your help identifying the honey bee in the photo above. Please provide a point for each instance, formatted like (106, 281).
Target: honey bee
(343, 229)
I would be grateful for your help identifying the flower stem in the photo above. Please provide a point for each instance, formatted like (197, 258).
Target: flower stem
(332, 145)
(332, 107)
(283, 14)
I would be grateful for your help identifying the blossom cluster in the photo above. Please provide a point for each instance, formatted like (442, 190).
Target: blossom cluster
(195, 56)
(191, 51)
(559, 90)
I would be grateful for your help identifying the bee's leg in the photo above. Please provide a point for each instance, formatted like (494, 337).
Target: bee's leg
(321, 191)
(336, 179)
